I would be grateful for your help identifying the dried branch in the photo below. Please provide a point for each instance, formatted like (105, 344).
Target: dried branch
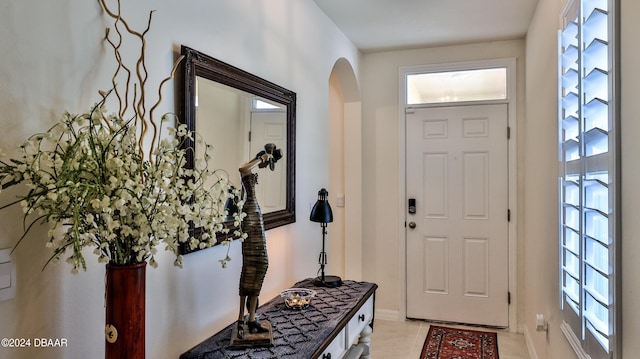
(121, 66)
(151, 120)
(117, 16)
(141, 76)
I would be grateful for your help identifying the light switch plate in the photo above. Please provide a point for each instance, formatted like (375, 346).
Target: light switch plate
(7, 275)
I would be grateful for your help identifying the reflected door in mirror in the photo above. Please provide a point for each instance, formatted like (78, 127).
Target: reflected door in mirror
(270, 127)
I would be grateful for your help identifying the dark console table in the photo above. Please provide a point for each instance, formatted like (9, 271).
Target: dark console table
(336, 325)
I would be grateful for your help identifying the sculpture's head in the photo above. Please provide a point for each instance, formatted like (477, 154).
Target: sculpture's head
(269, 156)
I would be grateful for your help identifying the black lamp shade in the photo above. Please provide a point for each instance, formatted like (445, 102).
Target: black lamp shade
(321, 211)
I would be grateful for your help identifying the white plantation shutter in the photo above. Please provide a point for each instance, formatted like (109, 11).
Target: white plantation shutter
(588, 182)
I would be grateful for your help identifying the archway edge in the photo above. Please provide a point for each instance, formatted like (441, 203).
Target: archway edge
(345, 166)
(348, 81)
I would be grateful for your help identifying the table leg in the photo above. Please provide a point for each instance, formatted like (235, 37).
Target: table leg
(365, 341)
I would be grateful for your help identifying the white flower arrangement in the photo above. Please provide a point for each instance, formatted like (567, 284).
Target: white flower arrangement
(90, 177)
(87, 176)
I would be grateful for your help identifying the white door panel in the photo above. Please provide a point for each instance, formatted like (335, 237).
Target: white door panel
(270, 127)
(457, 254)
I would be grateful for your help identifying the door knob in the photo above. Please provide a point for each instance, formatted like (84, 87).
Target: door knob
(412, 225)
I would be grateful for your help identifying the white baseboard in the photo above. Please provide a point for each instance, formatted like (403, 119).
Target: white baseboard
(527, 338)
(568, 333)
(393, 315)
(573, 341)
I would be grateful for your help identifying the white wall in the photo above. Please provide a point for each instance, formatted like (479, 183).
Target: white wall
(383, 248)
(54, 60)
(540, 218)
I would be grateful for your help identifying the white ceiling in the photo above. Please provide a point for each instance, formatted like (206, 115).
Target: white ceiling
(375, 25)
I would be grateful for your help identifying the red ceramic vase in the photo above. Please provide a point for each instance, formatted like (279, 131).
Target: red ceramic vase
(125, 311)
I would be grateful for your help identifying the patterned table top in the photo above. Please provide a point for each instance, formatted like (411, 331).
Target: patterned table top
(296, 333)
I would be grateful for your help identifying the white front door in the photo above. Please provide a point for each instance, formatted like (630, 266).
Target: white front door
(270, 127)
(457, 239)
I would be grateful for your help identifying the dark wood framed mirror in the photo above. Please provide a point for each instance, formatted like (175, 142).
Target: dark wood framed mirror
(238, 113)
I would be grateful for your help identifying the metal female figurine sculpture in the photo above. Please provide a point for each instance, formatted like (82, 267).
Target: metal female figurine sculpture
(254, 252)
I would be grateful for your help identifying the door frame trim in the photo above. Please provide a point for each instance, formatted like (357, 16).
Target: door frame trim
(511, 101)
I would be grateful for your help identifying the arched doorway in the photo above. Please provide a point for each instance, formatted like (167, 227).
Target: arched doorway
(345, 171)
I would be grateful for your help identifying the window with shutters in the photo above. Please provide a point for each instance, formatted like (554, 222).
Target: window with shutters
(588, 213)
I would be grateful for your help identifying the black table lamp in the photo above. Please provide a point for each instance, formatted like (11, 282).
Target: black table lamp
(321, 212)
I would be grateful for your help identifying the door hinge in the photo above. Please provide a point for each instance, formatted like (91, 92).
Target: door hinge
(508, 132)
(508, 215)
(508, 297)
(409, 110)
(249, 136)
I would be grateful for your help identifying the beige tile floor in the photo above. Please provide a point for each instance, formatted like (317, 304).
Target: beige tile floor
(404, 340)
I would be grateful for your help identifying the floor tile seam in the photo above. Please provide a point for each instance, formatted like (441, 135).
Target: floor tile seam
(417, 345)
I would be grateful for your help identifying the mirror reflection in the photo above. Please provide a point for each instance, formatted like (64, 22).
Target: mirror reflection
(238, 124)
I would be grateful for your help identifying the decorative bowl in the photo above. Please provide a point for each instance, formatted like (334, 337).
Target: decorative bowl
(297, 298)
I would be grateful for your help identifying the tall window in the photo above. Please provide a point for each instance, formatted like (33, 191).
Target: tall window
(588, 183)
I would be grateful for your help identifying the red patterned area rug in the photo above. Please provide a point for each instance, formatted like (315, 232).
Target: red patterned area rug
(452, 343)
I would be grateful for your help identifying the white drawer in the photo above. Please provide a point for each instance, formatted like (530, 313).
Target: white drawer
(336, 349)
(362, 318)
